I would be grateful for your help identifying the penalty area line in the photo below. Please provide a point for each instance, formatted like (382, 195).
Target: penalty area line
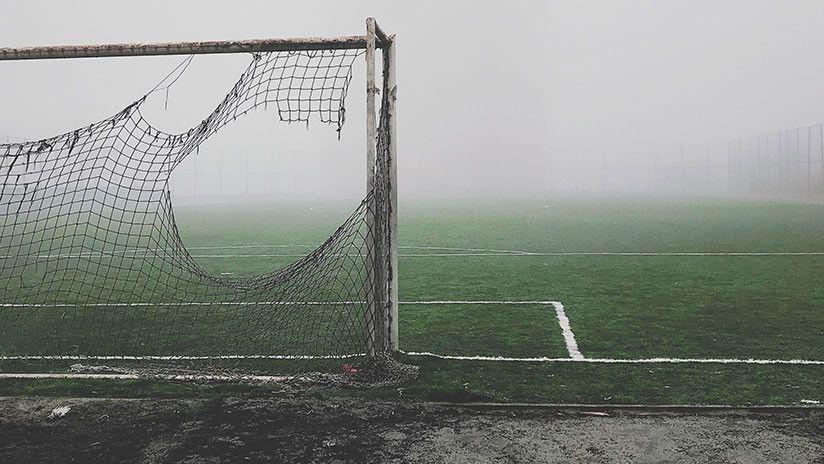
(560, 314)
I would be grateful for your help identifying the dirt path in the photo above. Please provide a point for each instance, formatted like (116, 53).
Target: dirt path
(270, 430)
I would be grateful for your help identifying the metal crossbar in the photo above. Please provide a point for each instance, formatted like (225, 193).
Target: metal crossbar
(354, 42)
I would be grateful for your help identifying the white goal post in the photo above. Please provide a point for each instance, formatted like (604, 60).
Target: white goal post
(383, 325)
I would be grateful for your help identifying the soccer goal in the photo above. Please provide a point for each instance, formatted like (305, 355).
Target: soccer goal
(94, 274)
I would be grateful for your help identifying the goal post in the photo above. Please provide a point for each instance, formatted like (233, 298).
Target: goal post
(371, 284)
(386, 300)
(389, 73)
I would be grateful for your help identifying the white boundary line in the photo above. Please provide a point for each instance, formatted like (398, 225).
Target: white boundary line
(446, 252)
(177, 304)
(273, 357)
(266, 303)
(569, 338)
(500, 252)
(180, 377)
(617, 361)
(442, 356)
(557, 253)
(620, 253)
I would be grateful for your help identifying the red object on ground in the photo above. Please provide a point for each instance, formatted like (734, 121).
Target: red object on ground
(349, 369)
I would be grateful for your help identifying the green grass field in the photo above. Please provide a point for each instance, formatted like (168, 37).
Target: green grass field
(638, 279)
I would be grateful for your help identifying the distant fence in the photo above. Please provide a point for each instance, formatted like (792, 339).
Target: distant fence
(638, 168)
(265, 173)
(783, 163)
(786, 162)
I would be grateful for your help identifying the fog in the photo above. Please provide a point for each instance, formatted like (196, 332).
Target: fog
(496, 99)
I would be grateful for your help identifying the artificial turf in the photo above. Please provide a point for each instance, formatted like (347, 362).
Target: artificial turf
(619, 306)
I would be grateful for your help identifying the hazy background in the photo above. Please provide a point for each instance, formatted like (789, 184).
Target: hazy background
(496, 98)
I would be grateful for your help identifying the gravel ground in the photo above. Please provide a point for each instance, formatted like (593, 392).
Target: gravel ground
(45, 430)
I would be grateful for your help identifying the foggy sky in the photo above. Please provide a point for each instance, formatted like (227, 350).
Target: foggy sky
(488, 90)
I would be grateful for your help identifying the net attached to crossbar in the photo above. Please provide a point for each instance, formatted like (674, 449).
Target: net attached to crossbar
(93, 271)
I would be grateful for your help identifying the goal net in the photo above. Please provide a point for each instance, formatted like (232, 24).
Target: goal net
(94, 274)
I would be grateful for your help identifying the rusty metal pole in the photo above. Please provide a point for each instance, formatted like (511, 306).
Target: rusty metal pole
(185, 48)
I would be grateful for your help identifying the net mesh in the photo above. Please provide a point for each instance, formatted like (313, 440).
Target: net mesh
(93, 269)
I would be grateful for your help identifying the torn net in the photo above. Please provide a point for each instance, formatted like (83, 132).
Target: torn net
(93, 270)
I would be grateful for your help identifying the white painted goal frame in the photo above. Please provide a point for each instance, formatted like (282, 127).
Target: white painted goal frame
(383, 311)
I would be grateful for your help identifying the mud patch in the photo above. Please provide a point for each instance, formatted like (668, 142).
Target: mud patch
(345, 430)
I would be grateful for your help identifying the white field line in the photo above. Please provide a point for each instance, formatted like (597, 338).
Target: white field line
(434, 355)
(627, 253)
(618, 361)
(566, 331)
(273, 357)
(177, 304)
(269, 357)
(619, 253)
(461, 251)
(406, 247)
(265, 303)
(445, 252)
(178, 377)
(573, 358)
(137, 252)
(526, 253)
